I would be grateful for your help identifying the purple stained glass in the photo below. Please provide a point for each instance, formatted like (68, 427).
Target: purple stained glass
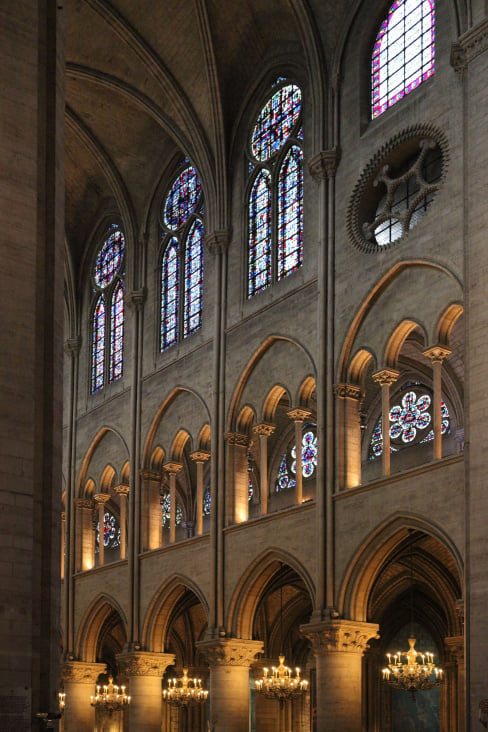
(166, 511)
(287, 467)
(207, 502)
(109, 257)
(111, 532)
(169, 295)
(98, 345)
(182, 199)
(283, 479)
(290, 213)
(117, 333)
(260, 234)
(404, 52)
(192, 316)
(276, 122)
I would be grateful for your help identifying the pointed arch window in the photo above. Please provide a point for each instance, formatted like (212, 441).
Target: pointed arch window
(275, 197)
(107, 320)
(403, 54)
(182, 258)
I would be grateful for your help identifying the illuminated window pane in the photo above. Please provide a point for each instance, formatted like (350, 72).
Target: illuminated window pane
(117, 333)
(260, 234)
(98, 345)
(166, 511)
(403, 55)
(111, 532)
(169, 295)
(287, 470)
(207, 502)
(276, 122)
(109, 257)
(182, 199)
(193, 279)
(290, 213)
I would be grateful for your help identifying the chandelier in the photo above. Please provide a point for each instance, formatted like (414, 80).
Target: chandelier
(184, 691)
(110, 697)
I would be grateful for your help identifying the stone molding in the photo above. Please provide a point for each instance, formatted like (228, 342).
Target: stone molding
(150, 475)
(324, 165)
(80, 672)
(455, 646)
(264, 428)
(200, 456)
(122, 490)
(172, 467)
(73, 345)
(101, 497)
(236, 438)
(437, 354)
(339, 636)
(144, 663)
(85, 503)
(348, 391)
(298, 414)
(230, 651)
(385, 377)
(137, 298)
(470, 45)
(218, 241)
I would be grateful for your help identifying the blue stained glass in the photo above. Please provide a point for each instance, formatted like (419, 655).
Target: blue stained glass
(276, 122)
(287, 467)
(404, 52)
(117, 333)
(166, 510)
(207, 502)
(260, 234)
(169, 295)
(98, 345)
(193, 279)
(290, 213)
(111, 532)
(182, 198)
(283, 479)
(109, 257)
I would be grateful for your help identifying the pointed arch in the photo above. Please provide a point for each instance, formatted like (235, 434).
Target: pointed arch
(117, 333)
(260, 240)
(95, 616)
(170, 287)
(98, 345)
(290, 213)
(192, 311)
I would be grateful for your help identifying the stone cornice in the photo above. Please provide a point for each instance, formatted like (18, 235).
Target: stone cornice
(470, 45)
(230, 651)
(348, 391)
(339, 636)
(79, 672)
(200, 456)
(218, 241)
(437, 354)
(324, 165)
(236, 438)
(385, 377)
(144, 663)
(298, 414)
(264, 428)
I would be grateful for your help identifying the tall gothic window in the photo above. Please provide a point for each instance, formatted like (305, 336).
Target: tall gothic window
(182, 258)
(275, 193)
(403, 54)
(107, 318)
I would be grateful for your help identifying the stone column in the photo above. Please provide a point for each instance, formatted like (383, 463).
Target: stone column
(144, 671)
(229, 660)
(385, 378)
(238, 503)
(101, 499)
(199, 457)
(349, 397)
(172, 469)
(338, 646)
(152, 519)
(437, 354)
(298, 416)
(79, 680)
(123, 491)
(85, 538)
(263, 430)
(456, 701)
(63, 543)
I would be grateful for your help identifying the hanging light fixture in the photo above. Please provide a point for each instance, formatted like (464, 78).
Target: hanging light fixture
(110, 697)
(184, 691)
(61, 701)
(411, 675)
(282, 682)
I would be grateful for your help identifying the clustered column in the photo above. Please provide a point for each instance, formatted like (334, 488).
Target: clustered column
(299, 416)
(199, 457)
(144, 672)
(385, 378)
(85, 538)
(238, 506)
(263, 430)
(153, 525)
(349, 399)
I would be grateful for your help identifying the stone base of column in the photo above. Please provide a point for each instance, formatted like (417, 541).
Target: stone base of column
(79, 680)
(144, 671)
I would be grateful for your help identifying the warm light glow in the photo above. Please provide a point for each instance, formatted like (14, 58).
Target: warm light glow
(61, 700)
(280, 683)
(184, 691)
(110, 697)
(412, 676)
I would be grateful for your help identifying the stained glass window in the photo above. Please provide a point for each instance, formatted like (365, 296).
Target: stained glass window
(275, 202)
(287, 469)
(111, 532)
(166, 511)
(182, 260)
(404, 52)
(207, 502)
(108, 314)
(409, 420)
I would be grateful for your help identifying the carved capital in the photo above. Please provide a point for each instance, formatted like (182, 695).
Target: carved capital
(235, 438)
(87, 503)
(79, 672)
(173, 467)
(264, 428)
(437, 354)
(324, 165)
(150, 476)
(73, 345)
(455, 646)
(385, 377)
(299, 415)
(63, 515)
(458, 57)
(339, 636)
(218, 241)
(230, 651)
(136, 298)
(143, 663)
(101, 497)
(348, 391)
(200, 456)
(471, 44)
(122, 489)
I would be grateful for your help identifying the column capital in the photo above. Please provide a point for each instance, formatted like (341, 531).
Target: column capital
(230, 651)
(73, 345)
(324, 164)
(79, 672)
(101, 497)
(236, 438)
(63, 515)
(339, 636)
(200, 456)
(144, 663)
(85, 503)
(298, 414)
(173, 467)
(385, 377)
(217, 242)
(470, 45)
(122, 489)
(151, 475)
(348, 391)
(264, 428)
(437, 353)
(136, 298)
(455, 646)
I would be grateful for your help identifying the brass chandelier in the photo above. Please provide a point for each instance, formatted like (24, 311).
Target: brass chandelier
(184, 691)
(110, 697)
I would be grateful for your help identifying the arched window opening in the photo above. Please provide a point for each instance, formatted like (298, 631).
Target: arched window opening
(111, 537)
(275, 200)
(285, 479)
(107, 322)
(403, 54)
(182, 259)
(166, 511)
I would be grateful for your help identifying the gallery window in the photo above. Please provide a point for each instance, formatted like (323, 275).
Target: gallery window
(286, 478)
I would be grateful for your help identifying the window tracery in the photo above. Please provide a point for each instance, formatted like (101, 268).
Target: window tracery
(166, 510)
(287, 467)
(111, 532)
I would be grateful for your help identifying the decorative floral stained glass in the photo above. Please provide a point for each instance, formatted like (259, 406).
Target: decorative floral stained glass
(290, 213)
(98, 345)
(117, 333)
(260, 234)
(276, 122)
(169, 295)
(109, 257)
(182, 199)
(193, 279)
(111, 532)
(166, 511)
(404, 52)
(287, 469)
